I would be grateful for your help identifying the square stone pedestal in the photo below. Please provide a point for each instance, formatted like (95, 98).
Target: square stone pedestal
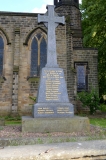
(48, 125)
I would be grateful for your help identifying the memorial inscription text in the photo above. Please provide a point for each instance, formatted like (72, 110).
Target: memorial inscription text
(53, 83)
(59, 110)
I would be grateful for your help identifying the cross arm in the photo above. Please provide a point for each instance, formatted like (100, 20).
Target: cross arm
(42, 18)
(60, 20)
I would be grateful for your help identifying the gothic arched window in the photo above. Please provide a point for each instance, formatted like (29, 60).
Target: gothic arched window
(1, 55)
(38, 54)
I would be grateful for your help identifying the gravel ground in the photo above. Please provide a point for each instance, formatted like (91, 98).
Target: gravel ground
(15, 132)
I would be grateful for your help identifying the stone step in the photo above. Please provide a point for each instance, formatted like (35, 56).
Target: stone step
(87, 150)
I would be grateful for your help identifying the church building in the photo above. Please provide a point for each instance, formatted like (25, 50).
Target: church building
(23, 54)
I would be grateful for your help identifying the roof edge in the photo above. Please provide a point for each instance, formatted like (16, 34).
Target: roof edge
(6, 13)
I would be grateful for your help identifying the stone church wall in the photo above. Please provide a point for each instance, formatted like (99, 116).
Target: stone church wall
(17, 29)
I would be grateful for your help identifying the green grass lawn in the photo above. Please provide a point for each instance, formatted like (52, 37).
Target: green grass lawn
(12, 122)
(94, 121)
(98, 122)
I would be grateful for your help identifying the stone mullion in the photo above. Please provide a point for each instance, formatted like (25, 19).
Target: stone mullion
(38, 53)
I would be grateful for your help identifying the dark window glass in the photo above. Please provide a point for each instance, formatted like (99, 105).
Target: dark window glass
(1, 55)
(1, 43)
(34, 57)
(38, 36)
(43, 54)
(76, 1)
(82, 75)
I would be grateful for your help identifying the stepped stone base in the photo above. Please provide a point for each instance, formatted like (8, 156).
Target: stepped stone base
(47, 125)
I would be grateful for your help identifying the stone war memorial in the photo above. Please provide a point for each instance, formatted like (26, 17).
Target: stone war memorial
(52, 100)
(53, 112)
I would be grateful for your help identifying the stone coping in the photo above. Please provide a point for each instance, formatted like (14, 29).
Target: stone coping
(5, 13)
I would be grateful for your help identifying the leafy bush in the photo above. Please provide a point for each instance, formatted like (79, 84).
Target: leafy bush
(103, 107)
(89, 99)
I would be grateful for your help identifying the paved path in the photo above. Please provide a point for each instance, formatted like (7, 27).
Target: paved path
(58, 151)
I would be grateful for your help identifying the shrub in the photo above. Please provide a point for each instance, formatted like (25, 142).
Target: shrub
(89, 99)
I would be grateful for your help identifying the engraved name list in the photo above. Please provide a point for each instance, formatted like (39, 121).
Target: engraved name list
(53, 82)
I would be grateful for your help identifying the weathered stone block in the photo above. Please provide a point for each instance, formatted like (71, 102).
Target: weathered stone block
(45, 125)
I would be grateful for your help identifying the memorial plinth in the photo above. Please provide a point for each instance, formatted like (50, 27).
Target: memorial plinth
(48, 125)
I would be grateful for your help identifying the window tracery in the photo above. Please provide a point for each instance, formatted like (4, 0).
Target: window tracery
(38, 54)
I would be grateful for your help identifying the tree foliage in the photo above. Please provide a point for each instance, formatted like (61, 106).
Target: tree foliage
(94, 32)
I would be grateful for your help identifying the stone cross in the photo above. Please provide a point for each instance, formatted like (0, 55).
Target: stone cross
(51, 21)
